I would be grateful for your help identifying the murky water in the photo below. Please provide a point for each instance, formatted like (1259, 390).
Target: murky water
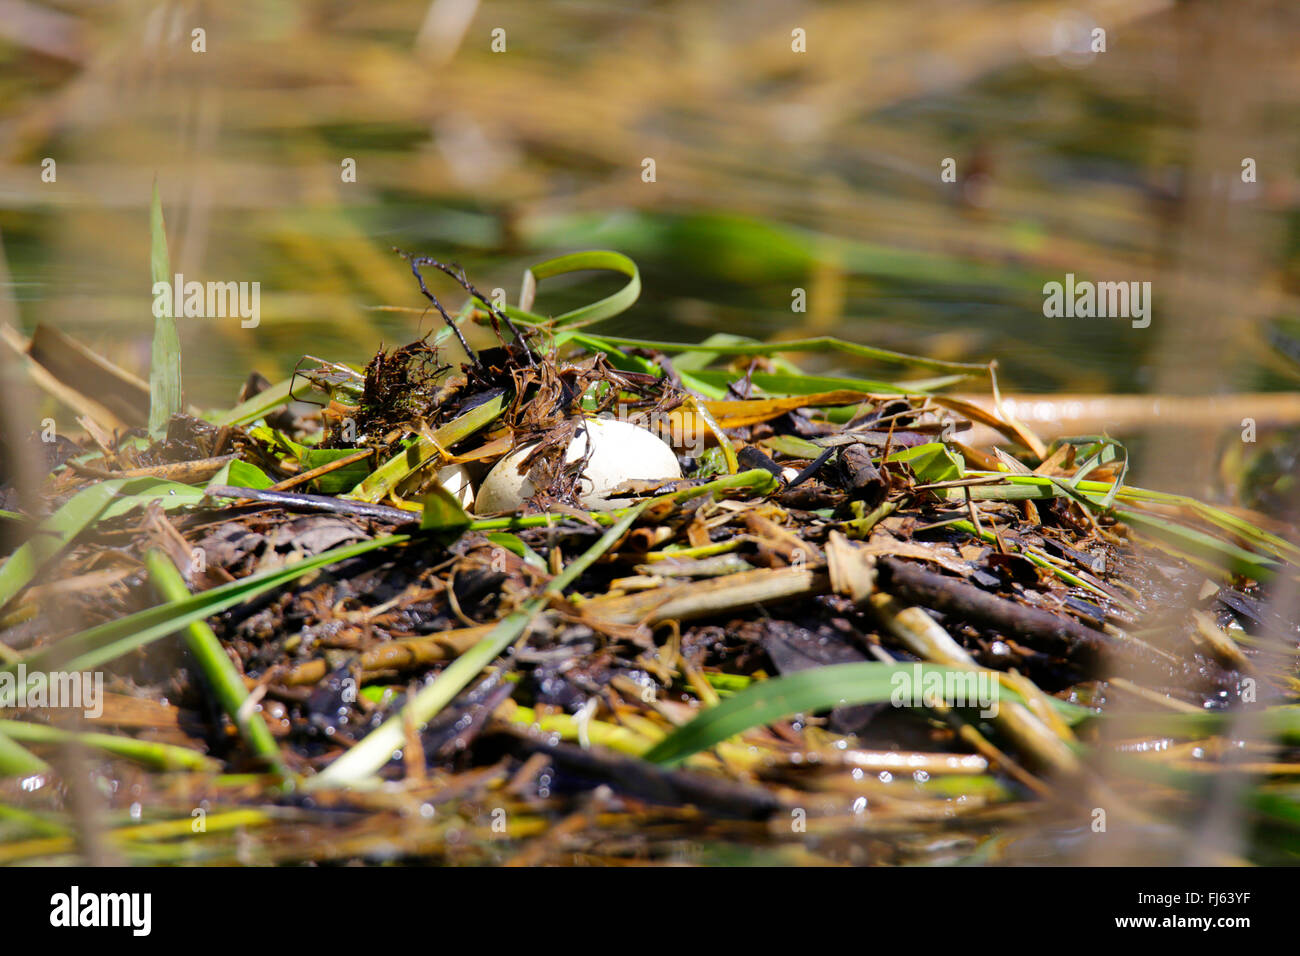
(306, 140)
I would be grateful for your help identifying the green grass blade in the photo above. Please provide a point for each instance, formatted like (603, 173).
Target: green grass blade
(35, 824)
(97, 502)
(1194, 541)
(165, 367)
(141, 492)
(160, 756)
(338, 481)
(1198, 543)
(104, 642)
(932, 462)
(823, 343)
(607, 307)
(443, 512)
(54, 534)
(515, 544)
(382, 480)
(217, 667)
(781, 384)
(267, 400)
(756, 481)
(17, 761)
(819, 688)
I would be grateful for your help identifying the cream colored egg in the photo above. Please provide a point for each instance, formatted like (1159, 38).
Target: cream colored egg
(619, 452)
(455, 478)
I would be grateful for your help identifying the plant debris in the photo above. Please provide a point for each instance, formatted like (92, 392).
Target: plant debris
(683, 669)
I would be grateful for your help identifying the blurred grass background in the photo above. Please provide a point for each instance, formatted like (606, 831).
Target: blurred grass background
(775, 170)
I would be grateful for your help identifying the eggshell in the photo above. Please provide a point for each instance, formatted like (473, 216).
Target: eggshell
(456, 479)
(620, 452)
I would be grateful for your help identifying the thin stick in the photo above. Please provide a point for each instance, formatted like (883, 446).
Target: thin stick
(299, 501)
(325, 469)
(416, 262)
(457, 273)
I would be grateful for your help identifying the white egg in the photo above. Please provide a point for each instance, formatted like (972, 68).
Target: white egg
(619, 452)
(455, 478)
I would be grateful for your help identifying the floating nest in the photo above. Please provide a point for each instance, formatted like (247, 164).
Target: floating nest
(742, 660)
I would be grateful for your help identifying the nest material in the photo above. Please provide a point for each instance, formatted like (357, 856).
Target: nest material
(704, 595)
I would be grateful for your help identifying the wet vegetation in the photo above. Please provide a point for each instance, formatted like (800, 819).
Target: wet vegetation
(895, 603)
(844, 635)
